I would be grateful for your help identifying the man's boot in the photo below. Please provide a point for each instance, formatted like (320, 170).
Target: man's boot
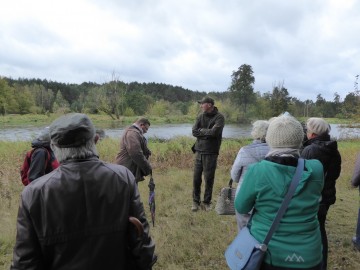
(195, 206)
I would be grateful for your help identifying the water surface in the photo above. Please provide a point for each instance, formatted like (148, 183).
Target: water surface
(167, 131)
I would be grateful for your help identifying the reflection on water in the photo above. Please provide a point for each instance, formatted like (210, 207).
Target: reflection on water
(168, 131)
(341, 133)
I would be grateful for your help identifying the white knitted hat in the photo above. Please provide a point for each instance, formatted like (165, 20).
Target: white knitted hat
(318, 126)
(284, 132)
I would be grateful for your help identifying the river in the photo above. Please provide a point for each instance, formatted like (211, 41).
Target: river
(167, 131)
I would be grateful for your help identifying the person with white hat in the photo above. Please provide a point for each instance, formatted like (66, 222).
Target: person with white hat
(321, 147)
(296, 243)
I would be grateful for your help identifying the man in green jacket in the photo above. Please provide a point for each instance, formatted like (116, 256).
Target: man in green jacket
(208, 132)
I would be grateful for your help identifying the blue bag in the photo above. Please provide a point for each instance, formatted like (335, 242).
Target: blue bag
(245, 252)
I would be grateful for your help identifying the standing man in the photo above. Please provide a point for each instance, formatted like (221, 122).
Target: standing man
(134, 152)
(208, 132)
(77, 216)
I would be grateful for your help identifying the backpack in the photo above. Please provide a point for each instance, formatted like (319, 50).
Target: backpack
(24, 170)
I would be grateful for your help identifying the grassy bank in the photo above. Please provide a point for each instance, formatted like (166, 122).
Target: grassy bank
(103, 120)
(186, 240)
(100, 120)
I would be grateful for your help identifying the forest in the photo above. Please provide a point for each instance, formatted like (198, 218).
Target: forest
(116, 98)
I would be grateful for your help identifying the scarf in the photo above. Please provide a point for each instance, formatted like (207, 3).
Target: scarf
(283, 152)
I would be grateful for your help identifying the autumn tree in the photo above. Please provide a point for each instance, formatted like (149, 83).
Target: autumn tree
(111, 97)
(261, 108)
(308, 107)
(279, 99)
(24, 99)
(7, 98)
(350, 105)
(61, 105)
(138, 102)
(320, 104)
(296, 106)
(337, 103)
(241, 88)
(44, 98)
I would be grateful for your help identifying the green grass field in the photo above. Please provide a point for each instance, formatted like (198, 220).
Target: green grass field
(187, 240)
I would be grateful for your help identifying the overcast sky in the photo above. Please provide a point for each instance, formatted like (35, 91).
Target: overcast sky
(309, 46)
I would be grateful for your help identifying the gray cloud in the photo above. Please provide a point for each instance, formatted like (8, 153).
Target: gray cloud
(310, 46)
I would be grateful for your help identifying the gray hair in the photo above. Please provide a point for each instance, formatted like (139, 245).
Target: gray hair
(259, 129)
(317, 126)
(82, 152)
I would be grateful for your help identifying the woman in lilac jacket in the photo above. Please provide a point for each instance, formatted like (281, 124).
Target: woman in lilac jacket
(247, 155)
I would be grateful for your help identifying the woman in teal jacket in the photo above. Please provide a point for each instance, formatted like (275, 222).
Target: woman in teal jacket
(296, 244)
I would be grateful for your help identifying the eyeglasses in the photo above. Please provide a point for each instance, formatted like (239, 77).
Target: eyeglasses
(144, 127)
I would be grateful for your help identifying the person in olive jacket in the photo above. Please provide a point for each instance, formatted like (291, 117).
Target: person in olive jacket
(208, 130)
(80, 215)
(319, 146)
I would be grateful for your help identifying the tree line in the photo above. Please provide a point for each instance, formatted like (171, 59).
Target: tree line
(116, 98)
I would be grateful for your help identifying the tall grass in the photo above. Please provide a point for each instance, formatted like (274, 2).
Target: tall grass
(10, 188)
(187, 240)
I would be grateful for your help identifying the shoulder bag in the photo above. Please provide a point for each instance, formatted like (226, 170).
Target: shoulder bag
(225, 201)
(245, 252)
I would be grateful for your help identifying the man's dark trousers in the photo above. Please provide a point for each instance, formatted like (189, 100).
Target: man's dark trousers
(204, 163)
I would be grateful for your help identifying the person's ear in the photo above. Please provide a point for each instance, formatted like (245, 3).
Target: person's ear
(96, 139)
